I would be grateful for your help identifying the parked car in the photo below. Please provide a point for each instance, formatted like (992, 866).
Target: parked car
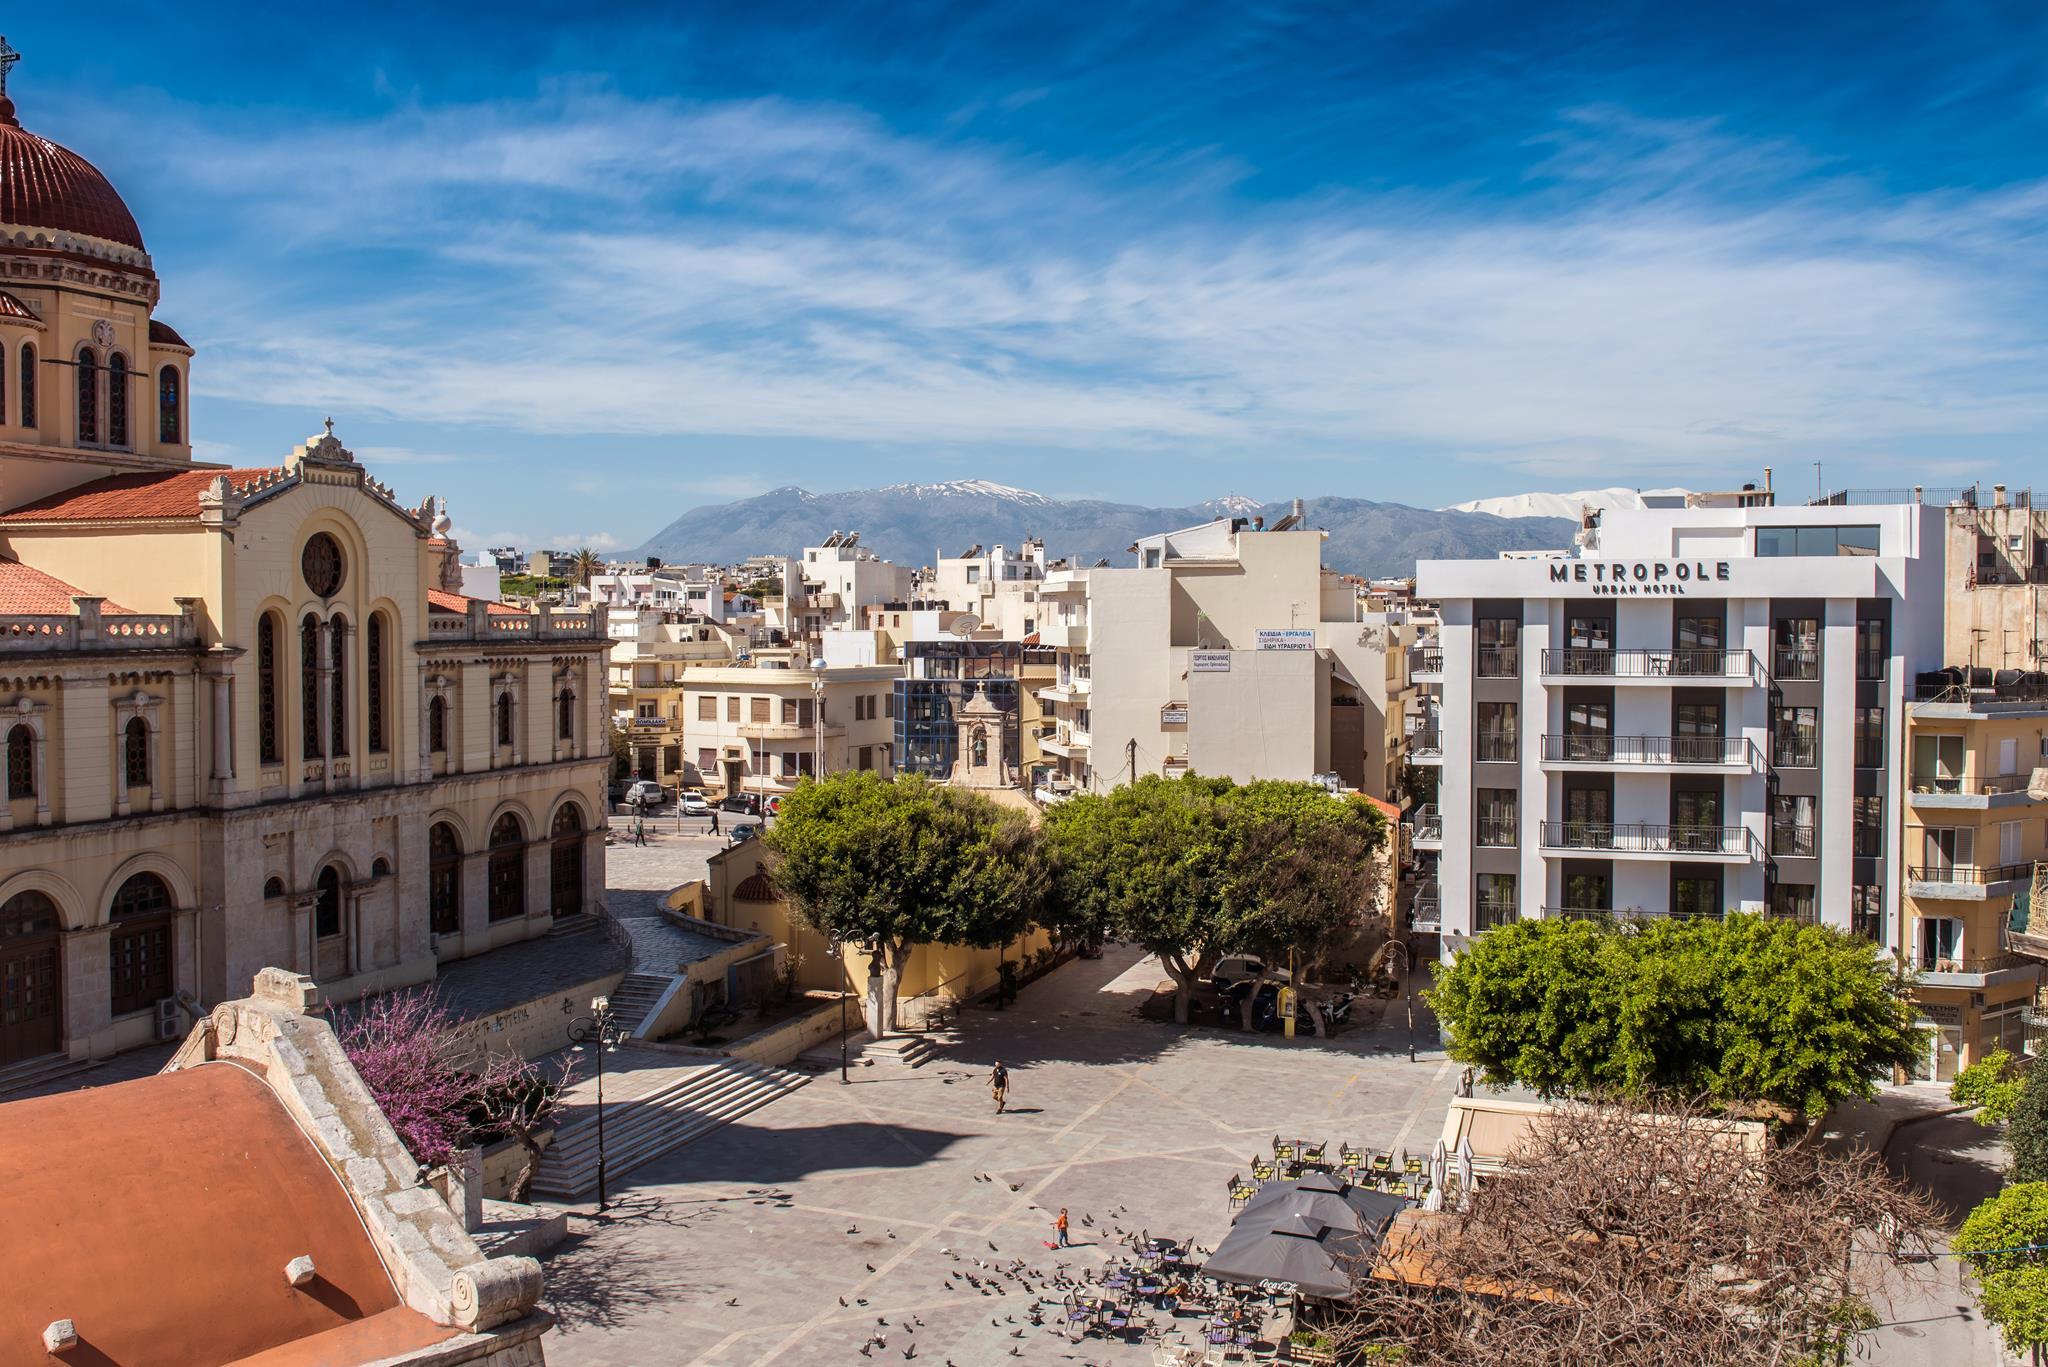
(1242, 968)
(745, 830)
(647, 795)
(774, 804)
(693, 804)
(746, 804)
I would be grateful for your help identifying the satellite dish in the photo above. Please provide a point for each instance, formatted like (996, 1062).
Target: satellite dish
(965, 625)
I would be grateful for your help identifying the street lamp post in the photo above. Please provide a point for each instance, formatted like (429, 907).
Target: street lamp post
(839, 953)
(600, 1030)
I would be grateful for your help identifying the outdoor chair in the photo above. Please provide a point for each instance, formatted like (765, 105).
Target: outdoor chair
(1262, 1171)
(1315, 1154)
(1240, 1193)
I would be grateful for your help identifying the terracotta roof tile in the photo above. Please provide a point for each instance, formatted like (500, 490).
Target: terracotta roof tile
(25, 590)
(43, 185)
(139, 498)
(440, 600)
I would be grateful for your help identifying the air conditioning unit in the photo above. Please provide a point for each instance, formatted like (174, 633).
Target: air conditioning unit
(167, 1018)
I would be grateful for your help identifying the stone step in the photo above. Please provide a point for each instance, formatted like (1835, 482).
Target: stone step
(636, 995)
(692, 1103)
(38, 1071)
(582, 923)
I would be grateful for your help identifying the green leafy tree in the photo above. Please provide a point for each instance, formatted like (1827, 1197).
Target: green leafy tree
(1750, 1013)
(1992, 1084)
(621, 747)
(894, 864)
(1301, 875)
(1150, 862)
(2026, 1133)
(2003, 1241)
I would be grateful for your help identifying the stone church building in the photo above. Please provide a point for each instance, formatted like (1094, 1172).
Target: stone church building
(248, 718)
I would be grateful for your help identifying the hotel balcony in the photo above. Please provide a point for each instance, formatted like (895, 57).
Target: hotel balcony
(1073, 689)
(1722, 668)
(1965, 882)
(1492, 915)
(1426, 911)
(1639, 841)
(1970, 793)
(1064, 635)
(1426, 746)
(1654, 754)
(1429, 827)
(1425, 663)
(767, 731)
(1070, 742)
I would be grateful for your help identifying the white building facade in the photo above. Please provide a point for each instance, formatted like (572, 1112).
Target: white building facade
(1695, 711)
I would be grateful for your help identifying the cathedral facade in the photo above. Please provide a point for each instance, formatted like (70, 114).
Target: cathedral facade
(249, 719)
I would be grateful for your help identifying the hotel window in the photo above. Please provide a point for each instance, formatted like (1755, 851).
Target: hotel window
(437, 724)
(732, 708)
(1796, 653)
(139, 950)
(1499, 648)
(1868, 827)
(1866, 910)
(373, 691)
(1499, 733)
(1494, 813)
(1697, 733)
(135, 752)
(760, 710)
(1870, 738)
(1696, 823)
(1795, 737)
(1588, 892)
(1496, 904)
(1696, 896)
(1792, 824)
(707, 708)
(1778, 542)
(117, 400)
(1871, 650)
(1590, 633)
(1793, 902)
(88, 373)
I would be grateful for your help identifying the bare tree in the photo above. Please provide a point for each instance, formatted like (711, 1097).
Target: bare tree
(1660, 1240)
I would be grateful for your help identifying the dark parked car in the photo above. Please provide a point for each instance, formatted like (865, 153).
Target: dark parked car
(745, 830)
(746, 804)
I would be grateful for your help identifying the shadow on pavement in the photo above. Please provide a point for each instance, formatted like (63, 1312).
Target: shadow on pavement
(763, 1157)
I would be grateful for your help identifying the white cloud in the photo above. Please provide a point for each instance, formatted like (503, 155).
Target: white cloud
(1665, 295)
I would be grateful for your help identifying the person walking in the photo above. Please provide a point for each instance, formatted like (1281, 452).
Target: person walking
(999, 1085)
(714, 821)
(1060, 1225)
(639, 830)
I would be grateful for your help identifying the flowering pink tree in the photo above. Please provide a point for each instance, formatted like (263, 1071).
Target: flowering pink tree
(438, 1095)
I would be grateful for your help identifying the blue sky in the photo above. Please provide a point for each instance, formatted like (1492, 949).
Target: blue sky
(580, 268)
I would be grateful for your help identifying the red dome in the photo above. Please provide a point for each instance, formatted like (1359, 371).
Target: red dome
(43, 185)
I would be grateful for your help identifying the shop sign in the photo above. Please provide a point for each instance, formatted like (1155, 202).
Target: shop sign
(1294, 638)
(1209, 661)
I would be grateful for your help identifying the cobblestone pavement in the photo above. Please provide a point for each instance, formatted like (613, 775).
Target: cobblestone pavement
(638, 877)
(740, 1247)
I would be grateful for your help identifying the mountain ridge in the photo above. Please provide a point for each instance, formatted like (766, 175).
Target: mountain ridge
(910, 523)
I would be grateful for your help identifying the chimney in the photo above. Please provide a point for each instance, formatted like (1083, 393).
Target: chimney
(1296, 510)
(1767, 479)
(1998, 495)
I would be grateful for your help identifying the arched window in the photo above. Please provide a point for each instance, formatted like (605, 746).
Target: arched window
(135, 752)
(3, 391)
(437, 724)
(338, 685)
(28, 385)
(380, 867)
(373, 688)
(505, 718)
(444, 879)
(139, 950)
(508, 869)
(565, 714)
(21, 761)
(88, 396)
(309, 683)
(169, 422)
(273, 888)
(117, 400)
(565, 861)
(327, 906)
(269, 744)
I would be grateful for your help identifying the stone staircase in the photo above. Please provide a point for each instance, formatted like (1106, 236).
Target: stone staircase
(33, 1073)
(672, 1107)
(582, 923)
(891, 1054)
(636, 996)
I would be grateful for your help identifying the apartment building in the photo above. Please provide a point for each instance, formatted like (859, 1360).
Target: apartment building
(1225, 650)
(1976, 823)
(1998, 599)
(1000, 586)
(651, 651)
(941, 676)
(760, 730)
(836, 580)
(1698, 707)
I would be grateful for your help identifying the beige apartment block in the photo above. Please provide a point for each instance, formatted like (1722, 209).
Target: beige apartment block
(249, 720)
(1998, 581)
(760, 730)
(1973, 831)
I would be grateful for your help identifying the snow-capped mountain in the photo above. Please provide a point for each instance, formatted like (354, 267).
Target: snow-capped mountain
(1559, 505)
(912, 523)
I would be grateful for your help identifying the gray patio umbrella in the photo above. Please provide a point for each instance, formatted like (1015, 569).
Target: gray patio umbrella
(1298, 1255)
(1325, 1197)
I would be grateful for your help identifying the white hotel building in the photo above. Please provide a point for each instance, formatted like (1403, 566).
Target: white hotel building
(1697, 709)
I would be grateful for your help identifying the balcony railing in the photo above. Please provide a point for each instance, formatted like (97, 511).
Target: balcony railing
(1795, 662)
(1584, 662)
(1499, 662)
(1792, 838)
(1425, 660)
(1497, 749)
(1498, 832)
(1429, 822)
(1428, 741)
(1641, 838)
(1974, 874)
(1493, 915)
(1794, 752)
(1605, 749)
(1920, 961)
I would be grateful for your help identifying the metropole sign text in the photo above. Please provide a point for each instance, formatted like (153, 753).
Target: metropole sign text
(1627, 578)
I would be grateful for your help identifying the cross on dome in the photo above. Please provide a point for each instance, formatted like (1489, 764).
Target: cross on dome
(8, 57)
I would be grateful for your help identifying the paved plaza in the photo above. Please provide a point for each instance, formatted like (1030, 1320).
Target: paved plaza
(740, 1248)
